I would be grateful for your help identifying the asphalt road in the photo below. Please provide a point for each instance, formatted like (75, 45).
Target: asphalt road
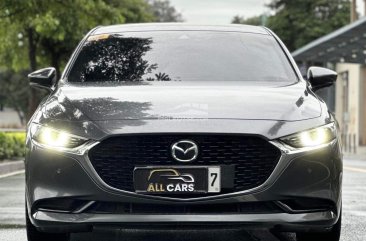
(354, 216)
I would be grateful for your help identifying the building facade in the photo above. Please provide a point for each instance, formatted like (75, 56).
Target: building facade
(344, 51)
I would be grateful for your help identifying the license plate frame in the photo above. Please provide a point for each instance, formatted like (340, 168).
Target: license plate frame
(177, 179)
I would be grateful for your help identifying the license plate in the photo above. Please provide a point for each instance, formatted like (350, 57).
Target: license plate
(177, 180)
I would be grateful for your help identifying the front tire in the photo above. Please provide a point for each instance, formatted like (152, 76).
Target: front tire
(34, 235)
(333, 235)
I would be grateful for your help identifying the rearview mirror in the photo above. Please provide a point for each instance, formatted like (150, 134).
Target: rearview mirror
(43, 78)
(321, 77)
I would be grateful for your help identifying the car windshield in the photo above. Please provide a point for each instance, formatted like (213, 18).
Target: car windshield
(181, 56)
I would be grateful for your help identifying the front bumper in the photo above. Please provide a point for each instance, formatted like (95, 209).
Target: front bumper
(313, 174)
(61, 222)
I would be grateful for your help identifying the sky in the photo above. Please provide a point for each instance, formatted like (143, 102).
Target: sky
(222, 11)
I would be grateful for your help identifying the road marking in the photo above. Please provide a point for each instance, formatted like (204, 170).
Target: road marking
(12, 174)
(355, 169)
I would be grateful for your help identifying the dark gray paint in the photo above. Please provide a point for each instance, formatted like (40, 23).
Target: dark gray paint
(268, 110)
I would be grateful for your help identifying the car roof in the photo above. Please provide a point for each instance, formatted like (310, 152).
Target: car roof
(146, 27)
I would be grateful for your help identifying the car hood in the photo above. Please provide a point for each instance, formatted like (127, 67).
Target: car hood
(182, 101)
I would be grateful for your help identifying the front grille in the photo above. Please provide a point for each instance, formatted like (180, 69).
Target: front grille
(225, 208)
(253, 158)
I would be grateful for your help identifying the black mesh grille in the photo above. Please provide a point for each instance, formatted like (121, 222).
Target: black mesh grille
(254, 158)
(226, 208)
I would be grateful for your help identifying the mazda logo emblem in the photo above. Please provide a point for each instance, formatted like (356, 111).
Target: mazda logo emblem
(184, 151)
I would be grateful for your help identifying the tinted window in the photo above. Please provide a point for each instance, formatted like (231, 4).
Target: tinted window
(182, 56)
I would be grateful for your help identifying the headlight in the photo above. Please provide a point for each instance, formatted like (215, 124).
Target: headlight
(313, 137)
(55, 138)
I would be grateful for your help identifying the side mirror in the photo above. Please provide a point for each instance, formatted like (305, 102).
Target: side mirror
(321, 77)
(43, 78)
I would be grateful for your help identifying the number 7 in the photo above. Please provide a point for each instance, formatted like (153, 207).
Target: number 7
(214, 175)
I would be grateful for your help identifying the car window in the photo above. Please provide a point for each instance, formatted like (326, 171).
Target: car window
(181, 56)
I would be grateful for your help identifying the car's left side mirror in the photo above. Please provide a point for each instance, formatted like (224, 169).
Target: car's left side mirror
(43, 78)
(321, 77)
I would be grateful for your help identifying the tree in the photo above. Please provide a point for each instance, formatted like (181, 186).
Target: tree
(298, 22)
(164, 12)
(14, 92)
(256, 20)
(126, 54)
(39, 33)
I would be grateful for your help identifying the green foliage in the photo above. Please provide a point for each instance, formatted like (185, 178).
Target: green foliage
(256, 20)
(12, 144)
(57, 26)
(41, 33)
(164, 12)
(298, 22)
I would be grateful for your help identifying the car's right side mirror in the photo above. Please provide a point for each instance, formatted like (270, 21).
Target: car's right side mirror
(321, 77)
(43, 78)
